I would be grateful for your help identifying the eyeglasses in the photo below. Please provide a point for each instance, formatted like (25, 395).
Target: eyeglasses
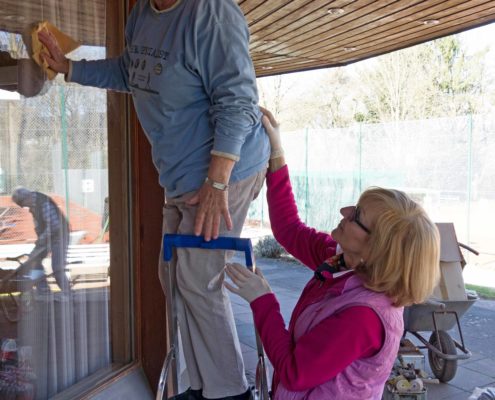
(354, 217)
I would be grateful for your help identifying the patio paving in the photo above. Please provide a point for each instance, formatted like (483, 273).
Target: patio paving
(287, 279)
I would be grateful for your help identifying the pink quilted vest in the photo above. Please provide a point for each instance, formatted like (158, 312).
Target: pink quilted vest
(364, 378)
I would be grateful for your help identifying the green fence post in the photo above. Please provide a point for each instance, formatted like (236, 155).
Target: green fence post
(306, 202)
(65, 160)
(360, 157)
(262, 197)
(470, 175)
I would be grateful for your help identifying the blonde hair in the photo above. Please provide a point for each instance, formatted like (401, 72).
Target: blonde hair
(404, 248)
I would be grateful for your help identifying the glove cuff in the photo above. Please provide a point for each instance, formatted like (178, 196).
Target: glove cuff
(276, 153)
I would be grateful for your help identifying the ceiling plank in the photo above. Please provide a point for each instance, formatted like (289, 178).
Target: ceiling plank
(249, 5)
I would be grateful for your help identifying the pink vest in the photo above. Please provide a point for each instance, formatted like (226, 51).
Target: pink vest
(364, 378)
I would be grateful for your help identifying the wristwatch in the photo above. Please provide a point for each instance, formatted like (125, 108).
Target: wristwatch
(217, 185)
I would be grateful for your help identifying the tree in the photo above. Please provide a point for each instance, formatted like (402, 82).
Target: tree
(457, 77)
(435, 79)
(395, 87)
(317, 99)
(272, 91)
(328, 104)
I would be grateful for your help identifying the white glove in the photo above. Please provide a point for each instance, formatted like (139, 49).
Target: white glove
(272, 128)
(249, 285)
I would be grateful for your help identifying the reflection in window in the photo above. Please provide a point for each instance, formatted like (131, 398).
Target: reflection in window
(54, 250)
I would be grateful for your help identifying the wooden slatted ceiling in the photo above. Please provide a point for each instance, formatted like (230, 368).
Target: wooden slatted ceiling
(290, 35)
(294, 35)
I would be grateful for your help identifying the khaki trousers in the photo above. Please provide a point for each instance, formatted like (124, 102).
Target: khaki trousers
(211, 348)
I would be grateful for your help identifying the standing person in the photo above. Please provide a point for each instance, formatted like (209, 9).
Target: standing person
(188, 68)
(345, 330)
(52, 231)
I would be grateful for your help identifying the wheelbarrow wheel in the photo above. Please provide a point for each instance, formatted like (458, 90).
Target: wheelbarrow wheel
(443, 369)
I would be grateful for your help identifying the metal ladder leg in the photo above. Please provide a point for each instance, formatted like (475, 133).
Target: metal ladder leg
(169, 368)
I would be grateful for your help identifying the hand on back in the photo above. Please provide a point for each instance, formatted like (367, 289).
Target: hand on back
(272, 128)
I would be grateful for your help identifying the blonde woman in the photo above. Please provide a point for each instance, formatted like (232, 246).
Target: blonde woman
(345, 330)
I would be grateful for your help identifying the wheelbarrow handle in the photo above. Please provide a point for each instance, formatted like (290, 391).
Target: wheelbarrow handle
(222, 243)
(17, 258)
(465, 246)
(435, 303)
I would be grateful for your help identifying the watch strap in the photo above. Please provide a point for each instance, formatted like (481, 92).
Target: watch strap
(217, 185)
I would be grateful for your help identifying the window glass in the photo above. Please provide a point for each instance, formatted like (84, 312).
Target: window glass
(54, 219)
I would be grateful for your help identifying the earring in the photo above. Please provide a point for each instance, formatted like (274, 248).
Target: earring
(362, 261)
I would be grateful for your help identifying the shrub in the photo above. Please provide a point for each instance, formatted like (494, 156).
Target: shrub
(268, 247)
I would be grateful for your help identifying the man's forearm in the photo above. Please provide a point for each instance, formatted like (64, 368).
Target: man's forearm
(220, 169)
(42, 239)
(40, 250)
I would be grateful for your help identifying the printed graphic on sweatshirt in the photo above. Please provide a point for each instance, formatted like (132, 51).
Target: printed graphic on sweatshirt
(145, 63)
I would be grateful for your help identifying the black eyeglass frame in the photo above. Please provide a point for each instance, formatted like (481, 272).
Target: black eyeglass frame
(355, 218)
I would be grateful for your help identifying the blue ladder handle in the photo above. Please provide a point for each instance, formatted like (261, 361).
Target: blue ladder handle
(221, 243)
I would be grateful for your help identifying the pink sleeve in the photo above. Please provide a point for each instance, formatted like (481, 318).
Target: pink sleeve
(308, 245)
(322, 353)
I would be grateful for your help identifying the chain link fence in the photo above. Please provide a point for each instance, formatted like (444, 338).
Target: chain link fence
(446, 164)
(56, 143)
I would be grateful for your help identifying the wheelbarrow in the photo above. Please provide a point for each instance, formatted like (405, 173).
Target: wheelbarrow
(438, 317)
(15, 289)
(169, 369)
(17, 284)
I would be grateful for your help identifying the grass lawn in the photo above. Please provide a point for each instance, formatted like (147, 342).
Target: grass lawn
(483, 292)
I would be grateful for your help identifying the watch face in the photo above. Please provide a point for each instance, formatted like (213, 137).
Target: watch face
(217, 185)
(220, 186)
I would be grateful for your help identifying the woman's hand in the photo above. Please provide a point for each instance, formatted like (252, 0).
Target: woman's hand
(272, 128)
(249, 285)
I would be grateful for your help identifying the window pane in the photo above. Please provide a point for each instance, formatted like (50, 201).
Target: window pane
(54, 314)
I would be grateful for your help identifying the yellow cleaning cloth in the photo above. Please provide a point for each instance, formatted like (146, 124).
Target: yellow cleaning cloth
(66, 43)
